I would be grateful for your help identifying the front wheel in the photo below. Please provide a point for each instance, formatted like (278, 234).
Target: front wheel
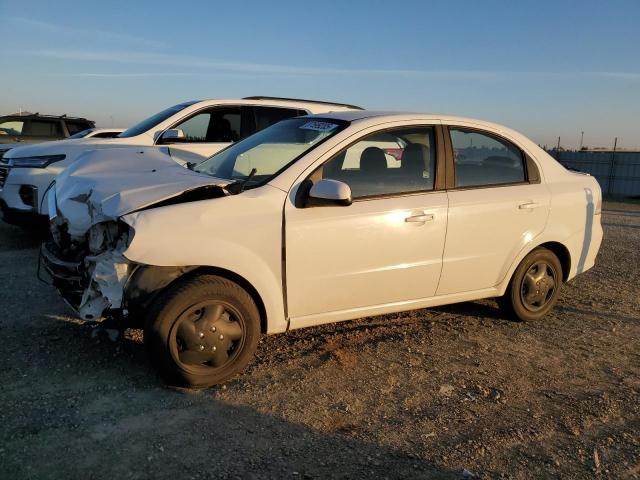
(534, 287)
(202, 332)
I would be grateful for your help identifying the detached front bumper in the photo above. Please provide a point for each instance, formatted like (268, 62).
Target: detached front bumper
(67, 277)
(94, 287)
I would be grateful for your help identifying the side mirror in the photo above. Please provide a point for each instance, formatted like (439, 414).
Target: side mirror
(173, 135)
(325, 193)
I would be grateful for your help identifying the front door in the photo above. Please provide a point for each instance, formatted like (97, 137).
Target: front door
(386, 247)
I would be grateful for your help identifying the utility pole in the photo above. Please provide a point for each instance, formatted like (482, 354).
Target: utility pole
(558, 147)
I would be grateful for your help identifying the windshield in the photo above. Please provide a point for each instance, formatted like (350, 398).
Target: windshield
(270, 150)
(154, 120)
(83, 133)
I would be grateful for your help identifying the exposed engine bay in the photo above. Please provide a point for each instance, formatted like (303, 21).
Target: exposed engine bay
(99, 269)
(84, 255)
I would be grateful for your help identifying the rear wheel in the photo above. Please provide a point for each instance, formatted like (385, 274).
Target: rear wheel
(202, 332)
(534, 287)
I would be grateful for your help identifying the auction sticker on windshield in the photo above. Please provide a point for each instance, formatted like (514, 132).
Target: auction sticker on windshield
(318, 126)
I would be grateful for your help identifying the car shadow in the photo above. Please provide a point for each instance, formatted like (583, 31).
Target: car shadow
(113, 418)
(17, 238)
(600, 313)
(473, 309)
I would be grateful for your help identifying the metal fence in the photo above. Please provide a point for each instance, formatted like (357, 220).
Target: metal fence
(618, 173)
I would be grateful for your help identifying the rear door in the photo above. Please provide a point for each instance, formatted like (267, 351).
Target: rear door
(497, 205)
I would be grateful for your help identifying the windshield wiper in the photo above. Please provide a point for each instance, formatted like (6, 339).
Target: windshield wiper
(238, 187)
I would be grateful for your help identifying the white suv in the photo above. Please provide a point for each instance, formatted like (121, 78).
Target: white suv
(190, 132)
(286, 229)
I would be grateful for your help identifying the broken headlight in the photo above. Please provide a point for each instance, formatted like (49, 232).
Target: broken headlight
(109, 236)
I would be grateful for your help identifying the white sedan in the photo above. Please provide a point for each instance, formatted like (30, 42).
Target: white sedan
(279, 232)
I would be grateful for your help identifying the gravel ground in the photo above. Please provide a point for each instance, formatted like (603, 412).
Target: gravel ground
(452, 392)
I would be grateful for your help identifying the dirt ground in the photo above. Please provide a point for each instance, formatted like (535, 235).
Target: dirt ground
(453, 392)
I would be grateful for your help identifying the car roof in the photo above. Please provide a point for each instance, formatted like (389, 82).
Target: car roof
(313, 106)
(382, 116)
(31, 116)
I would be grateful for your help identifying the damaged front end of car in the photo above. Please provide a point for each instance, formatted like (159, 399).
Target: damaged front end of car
(84, 257)
(89, 270)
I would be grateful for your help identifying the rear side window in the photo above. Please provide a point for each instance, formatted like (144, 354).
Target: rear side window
(267, 116)
(482, 159)
(12, 127)
(76, 127)
(44, 128)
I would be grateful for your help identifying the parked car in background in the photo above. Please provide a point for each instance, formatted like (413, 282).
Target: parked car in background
(98, 133)
(189, 132)
(21, 129)
(283, 230)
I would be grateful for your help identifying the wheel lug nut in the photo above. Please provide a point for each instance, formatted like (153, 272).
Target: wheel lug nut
(201, 347)
(213, 329)
(201, 335)
(213, 349)
(221, 337)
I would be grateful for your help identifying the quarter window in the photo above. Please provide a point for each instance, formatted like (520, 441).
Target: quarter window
(482, 159)
(12, 127)
(386, 163)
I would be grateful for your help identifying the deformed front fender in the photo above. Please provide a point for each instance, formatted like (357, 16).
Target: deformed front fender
(143, 285)
(241, 234)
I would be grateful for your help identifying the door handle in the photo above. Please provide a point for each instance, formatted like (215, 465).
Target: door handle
(421, 218)
(528, 205)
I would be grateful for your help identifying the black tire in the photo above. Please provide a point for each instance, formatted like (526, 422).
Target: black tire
(534, 287)
(202, 331)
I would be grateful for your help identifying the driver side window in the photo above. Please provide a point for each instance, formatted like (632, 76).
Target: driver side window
(386, 163)
(218, 125)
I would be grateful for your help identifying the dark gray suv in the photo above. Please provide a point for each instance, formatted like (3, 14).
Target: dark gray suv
(36, 128)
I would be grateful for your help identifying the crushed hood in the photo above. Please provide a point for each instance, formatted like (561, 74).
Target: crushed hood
(105, 184)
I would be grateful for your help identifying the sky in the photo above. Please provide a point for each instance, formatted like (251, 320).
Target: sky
(545, 68)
